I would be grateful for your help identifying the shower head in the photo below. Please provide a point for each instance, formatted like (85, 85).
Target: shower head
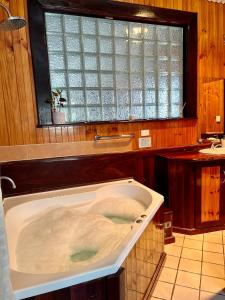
(11, 23)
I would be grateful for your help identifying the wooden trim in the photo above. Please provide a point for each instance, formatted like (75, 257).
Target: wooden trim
(193, 231)
(116, 122)
(119, 11)
(40, 59)
(169, 240)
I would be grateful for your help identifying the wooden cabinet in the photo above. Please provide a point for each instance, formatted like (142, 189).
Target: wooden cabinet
(210, 197)
(194, 190)
(105, 288)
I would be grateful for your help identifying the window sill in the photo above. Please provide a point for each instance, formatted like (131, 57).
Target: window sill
(114, 122)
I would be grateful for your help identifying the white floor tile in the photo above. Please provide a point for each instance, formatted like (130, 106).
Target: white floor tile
(197, 237)
(190, 265)
(213, 270)
(163, 290)
(188, 279)
(212, 247)
(171, 262)
(217, 232)
(191, 254)
(213, 285)
(184, 293)
(193, 244)
(213, 238)
(176, 234)
(179, 241)
(210, 296)
(168, 275)
(212, 257)
(194, 272)
(173, 250)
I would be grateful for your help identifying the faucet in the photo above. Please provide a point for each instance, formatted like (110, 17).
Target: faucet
(215, 145)
(9, 179)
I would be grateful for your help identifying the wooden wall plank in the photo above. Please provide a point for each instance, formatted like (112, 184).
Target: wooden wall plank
(18, 109)
(210, 191)
(213, 93)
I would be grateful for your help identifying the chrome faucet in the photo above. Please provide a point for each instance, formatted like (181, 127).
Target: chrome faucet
(9, 179)
(215, 145)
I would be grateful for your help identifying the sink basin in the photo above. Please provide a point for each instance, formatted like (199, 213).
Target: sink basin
(213, 151)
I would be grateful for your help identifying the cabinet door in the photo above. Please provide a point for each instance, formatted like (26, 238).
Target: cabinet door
(209, 196)
(92, 290)
(63, 294)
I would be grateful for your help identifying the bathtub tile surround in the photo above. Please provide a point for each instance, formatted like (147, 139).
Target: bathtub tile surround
(38, 151)
(142, 263)
(196, 272)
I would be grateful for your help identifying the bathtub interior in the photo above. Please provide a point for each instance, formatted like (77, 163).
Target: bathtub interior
(24, 214)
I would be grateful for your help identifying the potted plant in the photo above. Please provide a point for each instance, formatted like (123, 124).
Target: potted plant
(56, 102)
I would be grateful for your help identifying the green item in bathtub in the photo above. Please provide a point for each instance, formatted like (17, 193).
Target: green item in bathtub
(82, 255)
(120, 219)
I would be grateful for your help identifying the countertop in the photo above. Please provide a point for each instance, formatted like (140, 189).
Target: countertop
(191, 156)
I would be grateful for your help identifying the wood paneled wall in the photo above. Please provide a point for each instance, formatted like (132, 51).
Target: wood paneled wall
(17, 97)
(212, 105)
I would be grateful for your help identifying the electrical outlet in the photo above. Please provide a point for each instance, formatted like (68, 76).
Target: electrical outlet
(218, 119)
(145, 132)
(145, 142)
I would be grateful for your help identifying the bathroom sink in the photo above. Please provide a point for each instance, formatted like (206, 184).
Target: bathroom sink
(213, 151)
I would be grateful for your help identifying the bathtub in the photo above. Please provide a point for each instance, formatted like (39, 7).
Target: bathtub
(20, 211)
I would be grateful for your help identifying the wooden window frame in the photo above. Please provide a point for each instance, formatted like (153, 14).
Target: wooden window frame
(118, 11)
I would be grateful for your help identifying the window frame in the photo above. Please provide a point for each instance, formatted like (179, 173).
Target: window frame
(111, 10)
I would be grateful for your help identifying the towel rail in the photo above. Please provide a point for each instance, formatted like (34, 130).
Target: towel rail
(113, 137)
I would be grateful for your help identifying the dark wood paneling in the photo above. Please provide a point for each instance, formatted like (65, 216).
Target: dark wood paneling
(181, 194)
(48, 174)
(63, 294)
(40, 59)
(116, 285)
(92, 290)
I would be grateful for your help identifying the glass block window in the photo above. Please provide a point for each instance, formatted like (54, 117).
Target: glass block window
(115, 70)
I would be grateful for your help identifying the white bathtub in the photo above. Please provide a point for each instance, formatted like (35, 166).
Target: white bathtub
(21, 210)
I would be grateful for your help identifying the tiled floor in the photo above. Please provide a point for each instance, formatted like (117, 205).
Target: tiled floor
(194, 268)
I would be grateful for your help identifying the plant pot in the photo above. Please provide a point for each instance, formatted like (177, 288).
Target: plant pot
(58, 117)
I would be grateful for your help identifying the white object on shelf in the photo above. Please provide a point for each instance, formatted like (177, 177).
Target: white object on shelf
(58, 117)
(145, 132)
(145, 142)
